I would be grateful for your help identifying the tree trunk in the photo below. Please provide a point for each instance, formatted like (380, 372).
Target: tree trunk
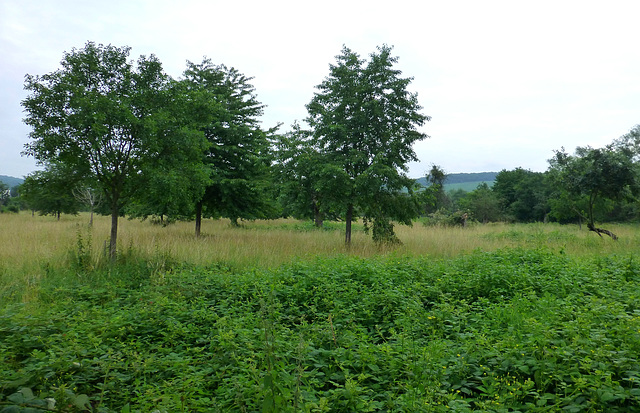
(114, 230)
(198, 218)
(317, 216)
(349, 217)
(601, 231)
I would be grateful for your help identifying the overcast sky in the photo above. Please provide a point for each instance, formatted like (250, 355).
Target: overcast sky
(505, 82)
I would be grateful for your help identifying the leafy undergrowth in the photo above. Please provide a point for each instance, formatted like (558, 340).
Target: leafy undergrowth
(513, 330)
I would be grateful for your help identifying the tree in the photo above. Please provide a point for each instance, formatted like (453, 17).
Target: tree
(88, 197)
(483, 204)
(51, 191)
(592, 176)
(296, 165)
(629, 143)
(437, 177)
(176, 179)
(102, 118)
(522, 194)
(226, 110)
(307, 184)
(364, 123)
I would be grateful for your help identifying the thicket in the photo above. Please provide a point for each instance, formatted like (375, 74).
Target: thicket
(511, 330)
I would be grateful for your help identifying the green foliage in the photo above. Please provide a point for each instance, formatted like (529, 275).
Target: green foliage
(308, 186)
(593, 176)
(51, 191)
(103, 119)
(523, 194)
(175, 179)
(7, 201)
(436, 177)
(629, 143)
(4, 188)
(444, 219)
(514, 330)
(363, 123)
(223, 106)
(483, 204)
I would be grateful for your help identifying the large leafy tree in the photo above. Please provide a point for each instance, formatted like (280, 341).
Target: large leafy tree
(593, 175)
(51, 191)
(523, 194)
(103, 117)
(175, 180)
(364, 122)
(483, 203)
(307, 185)
(629, 143)
(226, 111)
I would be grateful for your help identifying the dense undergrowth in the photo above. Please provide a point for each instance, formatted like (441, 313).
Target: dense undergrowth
(512, 330)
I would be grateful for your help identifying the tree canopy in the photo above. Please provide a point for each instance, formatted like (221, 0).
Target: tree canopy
(124, 133)
(522, 194)
(51, 191)
(364, 122)
(593, 175)
(225, 108)
(103, 117)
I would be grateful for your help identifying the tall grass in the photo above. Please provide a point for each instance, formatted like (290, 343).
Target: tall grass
(29, 242)
(34, 246)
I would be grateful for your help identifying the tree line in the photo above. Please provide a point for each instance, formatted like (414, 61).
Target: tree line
(123, 138)
(589, 186)
(142, 144)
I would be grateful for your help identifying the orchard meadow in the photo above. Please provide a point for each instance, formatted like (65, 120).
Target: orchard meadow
(279, 316)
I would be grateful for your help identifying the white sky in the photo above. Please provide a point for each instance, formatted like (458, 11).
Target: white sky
(505, 82)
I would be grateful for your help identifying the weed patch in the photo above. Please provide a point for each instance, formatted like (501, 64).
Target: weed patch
(512, 330)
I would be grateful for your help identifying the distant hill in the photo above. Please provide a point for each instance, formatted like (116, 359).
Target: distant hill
(10, 180)
(465, 181)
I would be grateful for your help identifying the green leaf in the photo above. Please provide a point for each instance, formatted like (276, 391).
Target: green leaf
(81, 401)
(27, 392)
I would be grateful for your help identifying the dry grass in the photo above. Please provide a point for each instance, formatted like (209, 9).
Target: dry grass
(35, 248)
(31, 243)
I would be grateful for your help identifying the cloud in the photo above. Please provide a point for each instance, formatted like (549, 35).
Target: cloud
(505, 82)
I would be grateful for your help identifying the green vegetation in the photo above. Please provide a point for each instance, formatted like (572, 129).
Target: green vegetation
(466, 186)
(280, 315)
(110, 122)
(502, 331)
(364, 122)
(528, 328)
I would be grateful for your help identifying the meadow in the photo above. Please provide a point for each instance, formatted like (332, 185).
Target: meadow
(277, 316)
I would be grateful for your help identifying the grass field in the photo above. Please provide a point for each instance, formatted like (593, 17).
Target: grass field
(277, 316)
(32, 242)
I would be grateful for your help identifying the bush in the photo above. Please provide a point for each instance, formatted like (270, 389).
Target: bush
(444, 218)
